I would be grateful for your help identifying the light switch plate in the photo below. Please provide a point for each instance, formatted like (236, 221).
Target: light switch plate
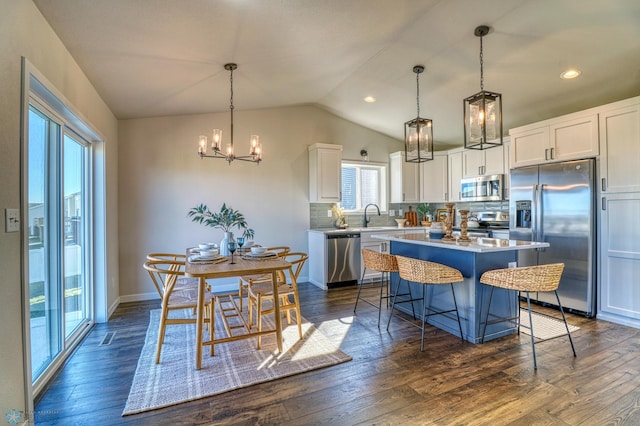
(392, 213)
(12, 220)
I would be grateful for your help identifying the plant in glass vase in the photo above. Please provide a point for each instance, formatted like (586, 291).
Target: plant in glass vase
(226, 219)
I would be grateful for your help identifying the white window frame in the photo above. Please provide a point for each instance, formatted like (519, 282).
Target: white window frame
(383, 184)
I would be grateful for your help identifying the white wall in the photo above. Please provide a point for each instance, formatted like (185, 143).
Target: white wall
(162, 177)
(24, 32)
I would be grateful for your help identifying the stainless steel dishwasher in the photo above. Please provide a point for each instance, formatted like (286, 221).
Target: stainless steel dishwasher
(343, 259)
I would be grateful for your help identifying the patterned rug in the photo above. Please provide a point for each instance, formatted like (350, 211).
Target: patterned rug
(544, 327)
(235, 364)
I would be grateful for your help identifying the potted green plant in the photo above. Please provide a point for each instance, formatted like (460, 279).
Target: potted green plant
(226, 219)
(425, 212)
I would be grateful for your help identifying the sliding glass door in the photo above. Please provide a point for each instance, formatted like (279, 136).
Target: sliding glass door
(58, 237)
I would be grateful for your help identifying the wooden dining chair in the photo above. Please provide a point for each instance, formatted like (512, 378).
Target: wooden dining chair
(261, 292)
(178, 262)
(245, 281)
(165, 275)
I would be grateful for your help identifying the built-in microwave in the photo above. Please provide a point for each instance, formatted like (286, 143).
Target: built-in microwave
(482, 188)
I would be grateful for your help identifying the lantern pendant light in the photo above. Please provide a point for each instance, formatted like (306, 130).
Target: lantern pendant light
(482, 111)
(418, 133)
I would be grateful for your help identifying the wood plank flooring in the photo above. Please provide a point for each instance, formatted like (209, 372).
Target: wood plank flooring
(389, 381)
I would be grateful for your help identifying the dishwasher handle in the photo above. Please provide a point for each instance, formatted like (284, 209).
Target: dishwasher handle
(341, 235)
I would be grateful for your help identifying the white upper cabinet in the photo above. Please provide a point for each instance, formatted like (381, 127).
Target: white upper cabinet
(620, 147)
(434, 183)
(569, 137)
(455, 176)
(507, 166)
(405, 179)
(483, 162)
(325, 173)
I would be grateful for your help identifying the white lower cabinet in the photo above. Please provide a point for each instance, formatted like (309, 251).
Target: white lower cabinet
(619, 287)
(368, 242)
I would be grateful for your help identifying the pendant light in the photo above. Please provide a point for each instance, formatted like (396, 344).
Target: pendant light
(255, 147)
(482, 111)
(418, 133)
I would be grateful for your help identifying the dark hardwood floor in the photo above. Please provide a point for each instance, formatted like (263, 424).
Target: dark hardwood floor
(389, 381)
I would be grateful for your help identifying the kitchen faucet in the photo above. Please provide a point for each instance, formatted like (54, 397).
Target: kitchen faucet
(366, 221)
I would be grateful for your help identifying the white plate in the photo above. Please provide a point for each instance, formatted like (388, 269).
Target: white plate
(200, 258)
(265, 254)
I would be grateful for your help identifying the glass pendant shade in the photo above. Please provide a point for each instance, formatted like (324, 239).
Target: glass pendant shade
(418, 140)
(483, 120)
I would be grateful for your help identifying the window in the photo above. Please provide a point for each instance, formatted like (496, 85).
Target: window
(362, 184)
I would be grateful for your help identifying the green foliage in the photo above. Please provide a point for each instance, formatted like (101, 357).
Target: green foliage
(424, 209)
(226, 219)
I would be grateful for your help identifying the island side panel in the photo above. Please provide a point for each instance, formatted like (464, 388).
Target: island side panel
(471, 296)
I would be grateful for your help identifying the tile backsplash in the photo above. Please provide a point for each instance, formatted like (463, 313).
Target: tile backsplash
(319, 219)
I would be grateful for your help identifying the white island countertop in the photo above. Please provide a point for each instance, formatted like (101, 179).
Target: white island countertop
(477, 245)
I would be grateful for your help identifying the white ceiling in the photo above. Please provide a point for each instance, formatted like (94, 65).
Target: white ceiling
(165, 57)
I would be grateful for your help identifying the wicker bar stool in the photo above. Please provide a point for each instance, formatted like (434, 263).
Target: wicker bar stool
(541, 278)
(383, 263)
(427, 273)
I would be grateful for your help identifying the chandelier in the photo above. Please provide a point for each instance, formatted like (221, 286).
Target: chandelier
(418, 133)
(255, 152)
(482, 111)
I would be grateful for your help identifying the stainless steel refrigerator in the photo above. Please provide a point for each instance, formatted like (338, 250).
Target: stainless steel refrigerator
(555, 203)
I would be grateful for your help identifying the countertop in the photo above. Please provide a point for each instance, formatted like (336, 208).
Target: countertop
(358, 230)
(477, 245)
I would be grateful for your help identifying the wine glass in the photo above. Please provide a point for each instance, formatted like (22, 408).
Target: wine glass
(240, 241)
(232, 248)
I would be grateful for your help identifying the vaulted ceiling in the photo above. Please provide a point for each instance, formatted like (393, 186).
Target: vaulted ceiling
(165, 57)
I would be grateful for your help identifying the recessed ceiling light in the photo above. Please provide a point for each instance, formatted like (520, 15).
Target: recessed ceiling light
(369, 99)
(571, 73)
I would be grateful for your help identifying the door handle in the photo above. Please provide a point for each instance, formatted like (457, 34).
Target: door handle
(604, 203)
(604, 184)
(552, 153)
(539, 212)
(546, 153)
(534, 213)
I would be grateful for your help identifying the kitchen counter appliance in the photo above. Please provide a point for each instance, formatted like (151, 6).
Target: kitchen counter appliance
(555, 203)
(343, 259)
(482, 188)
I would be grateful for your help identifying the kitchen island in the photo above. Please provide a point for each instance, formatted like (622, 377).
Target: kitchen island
(471, 259)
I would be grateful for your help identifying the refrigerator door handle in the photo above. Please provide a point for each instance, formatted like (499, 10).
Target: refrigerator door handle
(534, 213)
(539, 211)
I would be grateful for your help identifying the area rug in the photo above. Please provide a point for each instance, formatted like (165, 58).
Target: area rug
(235, 365)
(544, 327)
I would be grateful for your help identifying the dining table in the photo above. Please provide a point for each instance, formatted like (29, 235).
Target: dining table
(224, 268)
